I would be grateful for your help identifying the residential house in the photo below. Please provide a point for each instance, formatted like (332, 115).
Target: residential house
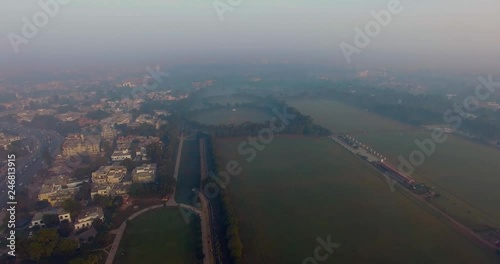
(87, 216)
(144, 173)
(37, 219)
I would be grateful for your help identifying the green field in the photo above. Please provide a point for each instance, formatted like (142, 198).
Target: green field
(464, 171)
(228, 116)
(300, 189)
(159, 236)
(340, 118)
(189, 172)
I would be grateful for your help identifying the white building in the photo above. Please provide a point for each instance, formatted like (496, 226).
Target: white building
(87, 216)
(120, 155)
(38, 217)
(6, 140)
(103, 190)
(144, 173)
(109, 174)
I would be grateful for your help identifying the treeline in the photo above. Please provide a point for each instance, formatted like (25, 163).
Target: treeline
(195, 226)
(415, 110)
(225, 220)
(287, 120)
(232, 229)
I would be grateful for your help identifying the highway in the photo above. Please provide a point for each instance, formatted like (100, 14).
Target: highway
(28, 166)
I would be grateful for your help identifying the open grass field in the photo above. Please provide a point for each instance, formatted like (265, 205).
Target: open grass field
(189, 172)
(341, 118)
(159, 236)
(300, 189)
(228, 116)
(469, 171)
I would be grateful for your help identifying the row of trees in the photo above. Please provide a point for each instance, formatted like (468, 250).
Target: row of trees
(232, 229)
(195, 226)
(297, 124)
(226, 220)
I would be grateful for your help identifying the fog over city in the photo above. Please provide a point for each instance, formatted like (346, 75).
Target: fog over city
(448, 34)
(249, 131)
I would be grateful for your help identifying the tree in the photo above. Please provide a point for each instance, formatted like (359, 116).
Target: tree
(84, 192)
(41, 205)
(92, 259)
(77, 261)
(129, 164)
(235, 247)
(72, 206)
(107, 147)
(50, 220)
(97, 115)
(98, 224)
(42, 244)
(36, 251)
(103, 201)
(64, 229)
(118, 201)
(46, 156)
(154, 152)
(66, 247)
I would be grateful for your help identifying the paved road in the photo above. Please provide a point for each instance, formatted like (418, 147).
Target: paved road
(27, 167)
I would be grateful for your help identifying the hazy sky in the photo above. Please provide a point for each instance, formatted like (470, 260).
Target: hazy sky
(428, 34)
